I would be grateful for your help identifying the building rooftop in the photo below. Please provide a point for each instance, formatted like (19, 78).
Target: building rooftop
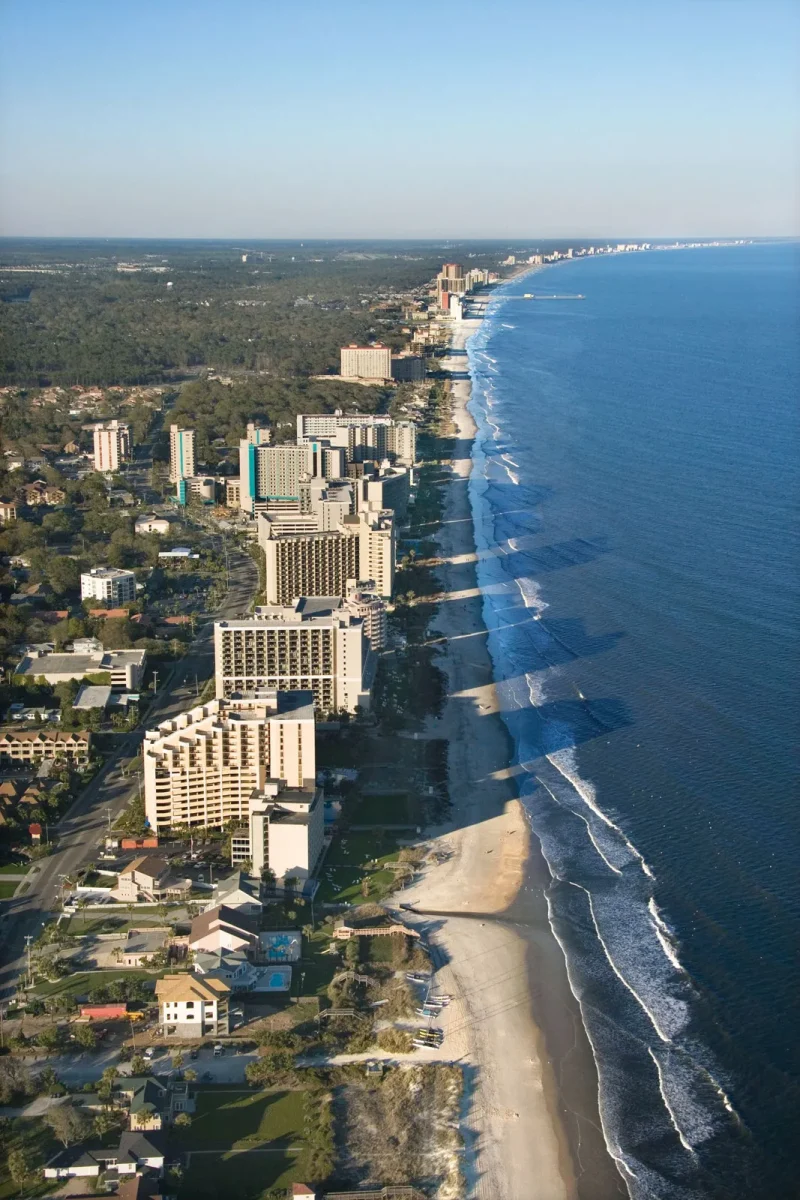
(148, 864)
(92, 695)
(108, 573)
(141, 942)
(180, 988)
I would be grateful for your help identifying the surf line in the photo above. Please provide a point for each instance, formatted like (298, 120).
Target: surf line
(664, 1037)
(687, 1145)
(664, 934)
(599, 812)
(555, 799)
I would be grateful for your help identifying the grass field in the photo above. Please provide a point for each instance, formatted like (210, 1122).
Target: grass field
(243, 1120)
(82, 983)
(351, 858)
(251, 1176)
(20, 868)
(7, 889)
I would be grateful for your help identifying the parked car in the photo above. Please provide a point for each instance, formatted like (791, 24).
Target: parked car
(219, 1050)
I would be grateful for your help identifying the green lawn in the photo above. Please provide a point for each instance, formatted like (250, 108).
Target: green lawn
(346, 865)
(253, 1176)
(7, 890)
(82, 983)
(243, 1120)
(317, 968)
(76, 927)
(36, 1137)
(20, 868)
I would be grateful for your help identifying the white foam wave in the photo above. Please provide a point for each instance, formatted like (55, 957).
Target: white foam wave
(684, 1141)
(592, 839)
(564, 763)
(664, 935)
(505, 326)
(650, 1016)
(507, 458)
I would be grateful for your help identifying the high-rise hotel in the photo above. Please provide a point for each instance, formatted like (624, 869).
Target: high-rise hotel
(324, 563)
(321, 645)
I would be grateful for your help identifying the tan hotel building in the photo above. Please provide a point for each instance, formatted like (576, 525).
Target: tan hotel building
(317, 644)
(214, 763)
(324, 563)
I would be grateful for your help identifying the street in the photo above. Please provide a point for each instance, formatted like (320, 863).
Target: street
(82, 829)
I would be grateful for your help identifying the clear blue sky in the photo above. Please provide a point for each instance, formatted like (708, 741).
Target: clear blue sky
(348, 118)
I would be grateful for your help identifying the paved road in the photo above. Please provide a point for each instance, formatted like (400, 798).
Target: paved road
(81, 830)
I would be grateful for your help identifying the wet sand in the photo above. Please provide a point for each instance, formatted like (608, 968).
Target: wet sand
(531, 1123)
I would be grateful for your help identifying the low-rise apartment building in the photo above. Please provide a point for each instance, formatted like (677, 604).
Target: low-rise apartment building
(33, 745)
(317, 644)
(112, 584)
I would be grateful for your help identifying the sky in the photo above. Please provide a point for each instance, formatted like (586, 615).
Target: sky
(343, 118)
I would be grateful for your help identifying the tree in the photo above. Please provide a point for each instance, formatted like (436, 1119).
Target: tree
(138, 1065)
(50, 1039)
(183, 1120)
(68, 1123)
(48, 1083)
(104, 1123)
(177, 1060)
(21, 1165)
(86, 1037)
(15, 1080)
(190, 1075)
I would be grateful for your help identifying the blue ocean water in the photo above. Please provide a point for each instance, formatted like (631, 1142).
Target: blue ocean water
(634, 496)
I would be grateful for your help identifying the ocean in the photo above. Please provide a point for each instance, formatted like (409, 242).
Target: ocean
(634, 496)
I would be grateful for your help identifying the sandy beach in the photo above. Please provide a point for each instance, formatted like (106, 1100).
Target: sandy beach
(531, 1124)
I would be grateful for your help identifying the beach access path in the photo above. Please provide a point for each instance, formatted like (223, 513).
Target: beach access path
(516, 1145)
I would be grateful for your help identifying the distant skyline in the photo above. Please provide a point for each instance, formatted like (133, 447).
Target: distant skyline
(253, 119)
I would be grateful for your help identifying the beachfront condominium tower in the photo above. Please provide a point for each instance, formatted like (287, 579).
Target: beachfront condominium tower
(362, 436)
(323, 563)
(181, 453)
(271, 477)
(112, 445)
(366, 362)
(316, 644)
(208, 766)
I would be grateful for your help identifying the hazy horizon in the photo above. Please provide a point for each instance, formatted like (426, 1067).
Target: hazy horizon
(453, 121)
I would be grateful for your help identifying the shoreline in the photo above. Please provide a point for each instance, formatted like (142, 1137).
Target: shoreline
(532, 1126)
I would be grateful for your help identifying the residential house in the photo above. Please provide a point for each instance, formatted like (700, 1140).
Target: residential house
(190, 1006)
(40, 493)
(136, 1150)
(151, 523)
(240, 892)
(31, 745)
(152, 1103)
(149, 878)
(8, 511)
(223, 928)
(141, 945)
(232, 966)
